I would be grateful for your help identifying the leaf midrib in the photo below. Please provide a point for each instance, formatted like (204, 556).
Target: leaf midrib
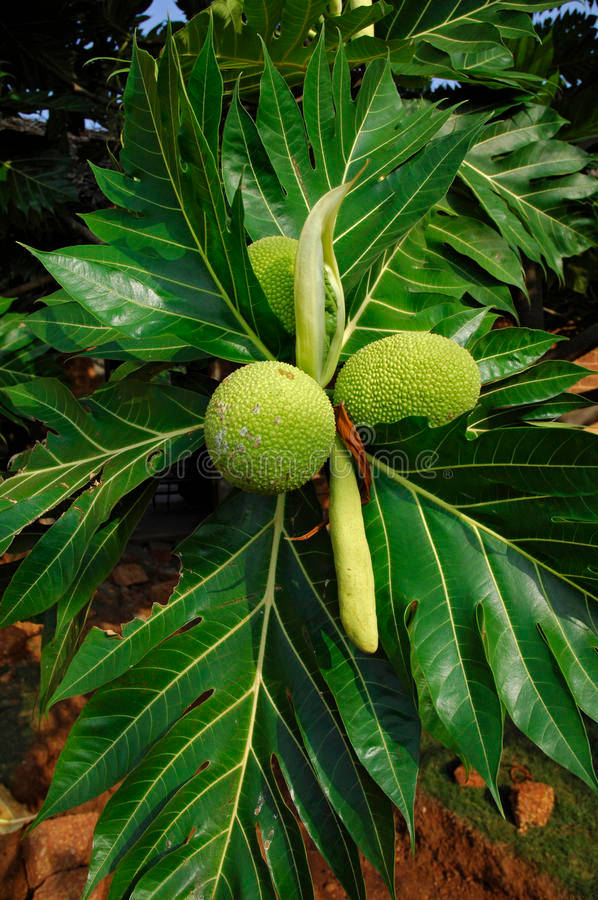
(563, 633)
(471, 523)
(356, 669)
(138, 803)
(268, 604)
(518, 199)
(504, 388)
(158, 694)
(390, 575)
(159, 437)
(521, 656)
(456, 643)
(413, 35)
(100, 490)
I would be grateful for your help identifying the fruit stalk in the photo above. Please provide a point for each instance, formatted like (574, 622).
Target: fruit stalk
(352, 559)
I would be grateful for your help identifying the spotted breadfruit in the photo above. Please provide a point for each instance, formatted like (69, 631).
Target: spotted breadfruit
(269, 427)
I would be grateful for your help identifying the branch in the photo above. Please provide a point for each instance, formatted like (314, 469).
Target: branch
(33, 285)
(84, 231)
(579, 345)
(531, 314)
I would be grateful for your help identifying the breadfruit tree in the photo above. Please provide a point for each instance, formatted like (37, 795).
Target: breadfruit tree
(254, 698)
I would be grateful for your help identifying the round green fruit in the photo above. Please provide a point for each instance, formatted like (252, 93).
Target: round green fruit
(412, 373)
(273, 261)
(269, 427)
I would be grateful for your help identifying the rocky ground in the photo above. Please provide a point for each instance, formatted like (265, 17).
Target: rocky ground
(51, 863)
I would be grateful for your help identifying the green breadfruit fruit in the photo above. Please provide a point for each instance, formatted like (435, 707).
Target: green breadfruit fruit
(408, 374)
(273, 261)
(269, 427)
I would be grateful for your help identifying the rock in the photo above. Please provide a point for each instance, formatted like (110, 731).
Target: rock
(69, 885)
(96, 804)
(102, 890)
(39, 754)
(30, 628)
(32, 634)
(7, 557)
(589, 382)
(129, 573)
(13, 645)
(168, 573)
(532, 803)
(161, 553)
(13, 882)
(34, 648)
(106, 603)
(66, 885)
(135, 553)
(83, 376)
(159, 593)
(475, 780)
(58, 844)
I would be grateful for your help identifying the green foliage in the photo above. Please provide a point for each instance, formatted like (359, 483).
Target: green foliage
(464, 40)
(567, 60)
(483, 532)
(32, 188)
(525, 181)
(22, 355)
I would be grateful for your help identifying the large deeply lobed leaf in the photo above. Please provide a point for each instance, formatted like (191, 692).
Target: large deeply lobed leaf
(251, 662)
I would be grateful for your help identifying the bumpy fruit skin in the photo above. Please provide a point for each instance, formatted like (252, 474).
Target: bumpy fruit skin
(273, 261)
(408, 374)
(269, 427)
